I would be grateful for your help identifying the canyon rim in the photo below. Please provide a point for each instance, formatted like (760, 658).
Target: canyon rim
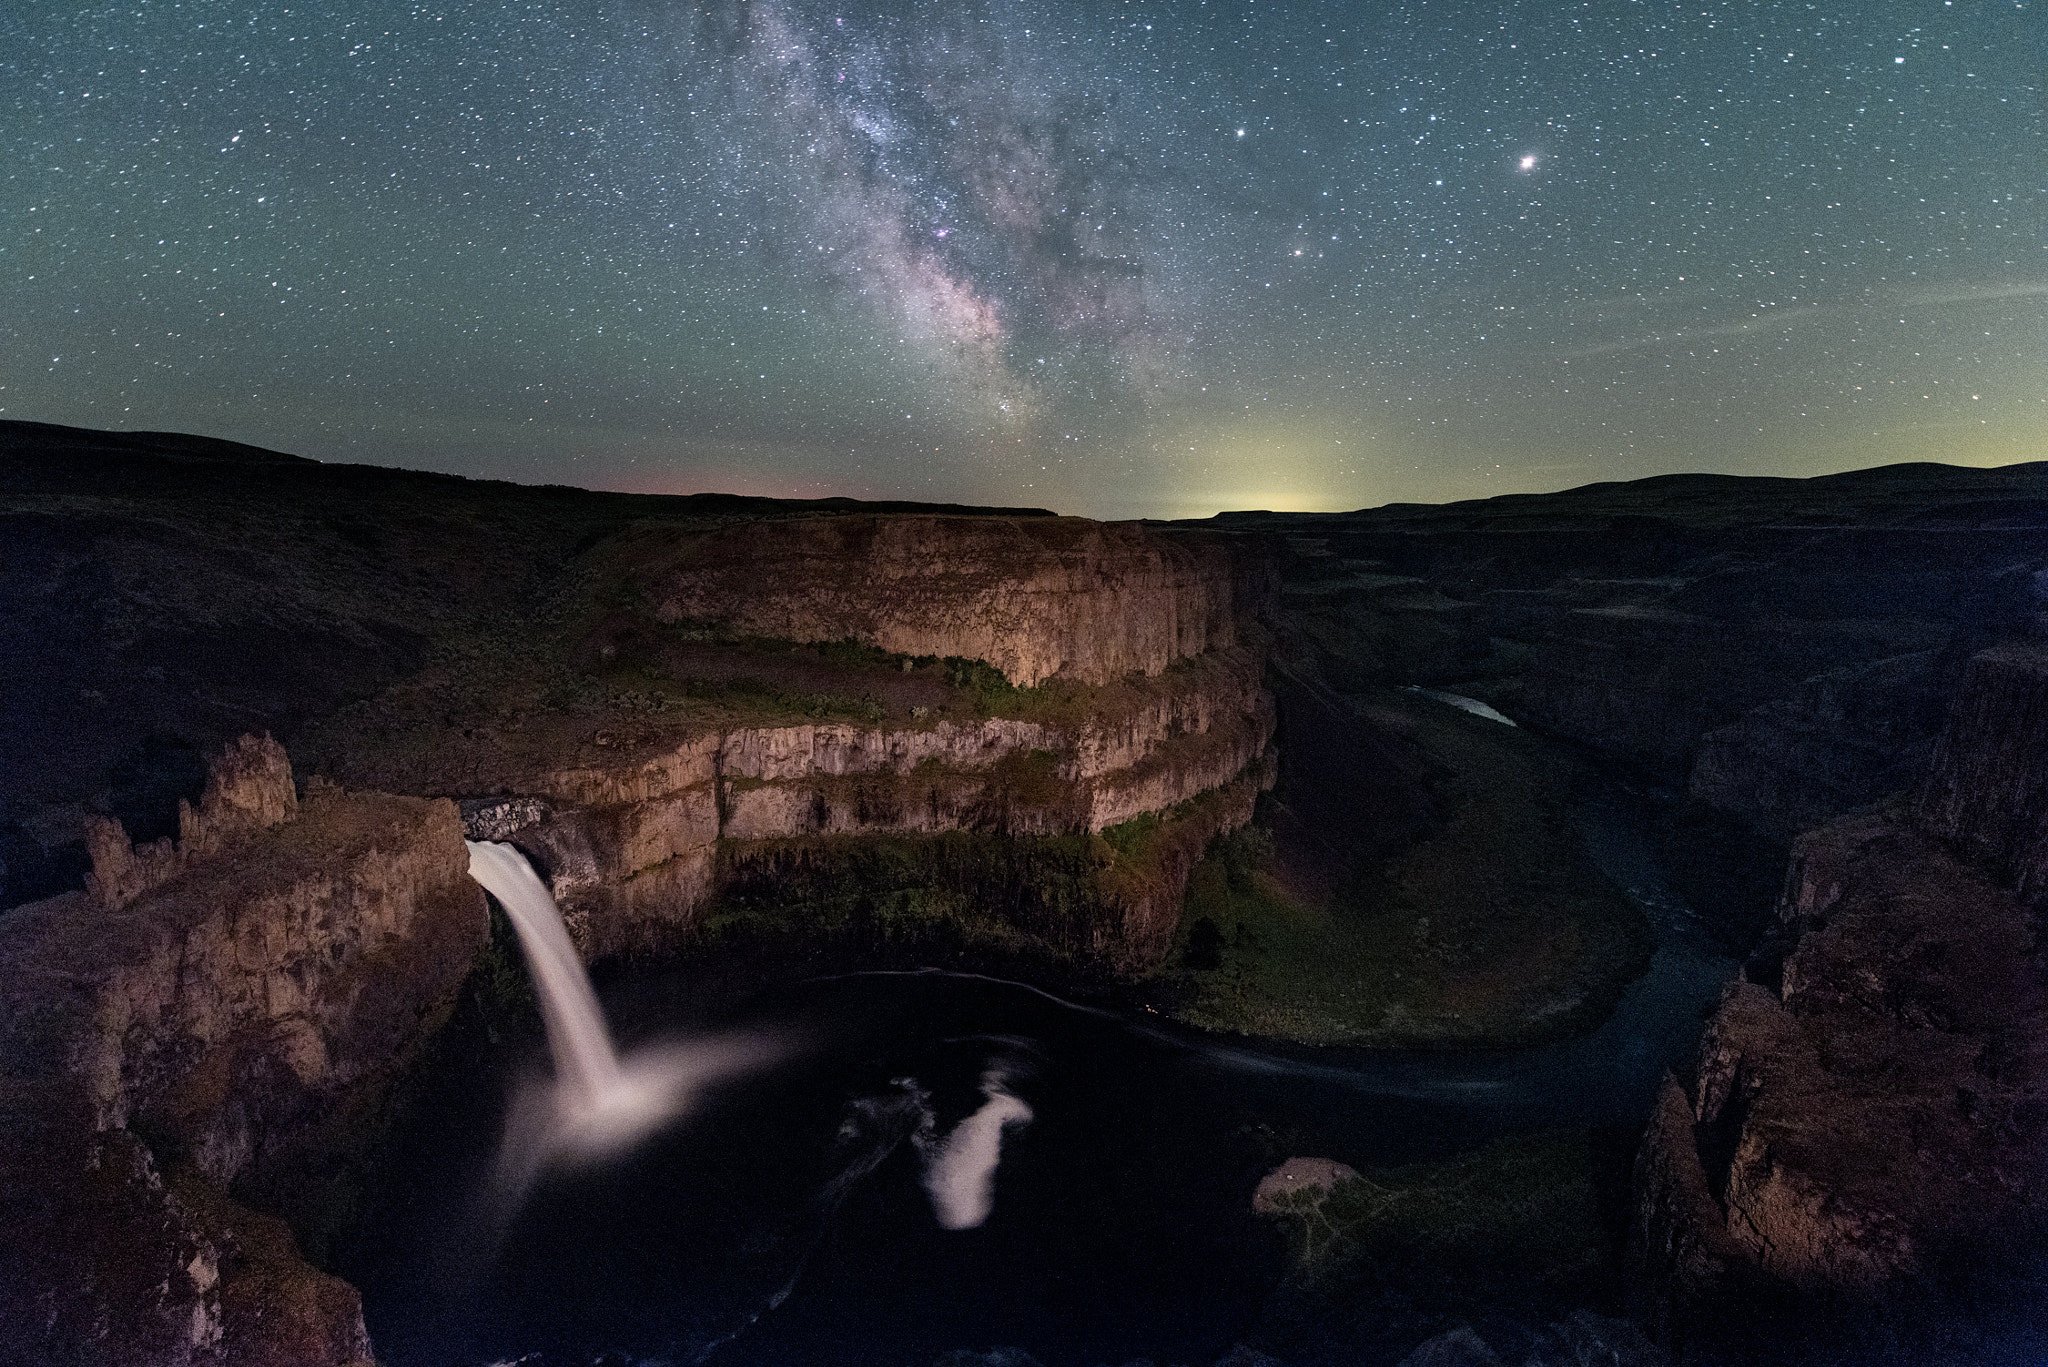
(256, 705)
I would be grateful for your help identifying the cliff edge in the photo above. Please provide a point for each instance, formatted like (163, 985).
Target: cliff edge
(171, 1034)
(1868, 1121)
(1036, 598)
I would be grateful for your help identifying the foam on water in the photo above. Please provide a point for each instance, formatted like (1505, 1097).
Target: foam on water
(960, 1171)
(598, 1103)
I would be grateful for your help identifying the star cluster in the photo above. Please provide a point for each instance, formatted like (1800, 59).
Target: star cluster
(1110, 256)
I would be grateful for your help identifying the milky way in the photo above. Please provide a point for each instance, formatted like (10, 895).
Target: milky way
(1112, 257)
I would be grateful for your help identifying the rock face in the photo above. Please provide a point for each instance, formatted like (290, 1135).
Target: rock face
(1036, 598)
(222, 997)
(641, 820)
(1843, 738)
(1649, 681)
(633, 852)
(1876, 1118)
(248, 788)
(1987, 793)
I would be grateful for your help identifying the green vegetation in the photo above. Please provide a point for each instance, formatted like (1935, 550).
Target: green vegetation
(1391, 1257)
(746, 689)
(753, 672)
(1497, 929)
(1524, 1202)
(959, 890)
(1130, 836)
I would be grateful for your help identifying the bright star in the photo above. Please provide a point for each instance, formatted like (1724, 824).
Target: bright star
(1528, 163)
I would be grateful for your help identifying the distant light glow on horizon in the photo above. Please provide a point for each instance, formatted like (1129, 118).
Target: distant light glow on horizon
(1035, 255)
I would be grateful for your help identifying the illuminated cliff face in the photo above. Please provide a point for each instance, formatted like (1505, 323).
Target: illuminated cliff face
(1036, 598)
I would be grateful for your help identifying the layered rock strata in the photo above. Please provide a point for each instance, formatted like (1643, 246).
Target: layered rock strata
(1987, 790)
(1037, 598)
(1870, 1116)
(218, 999)
(633, 845)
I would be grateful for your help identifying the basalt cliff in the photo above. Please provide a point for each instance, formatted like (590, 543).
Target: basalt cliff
(658, 698)
(933, 724)
(255, 703)
(188, 1026)
(1866, 1129)
(1783, 648)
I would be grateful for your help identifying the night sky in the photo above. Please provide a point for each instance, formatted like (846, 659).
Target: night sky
(1112, 257)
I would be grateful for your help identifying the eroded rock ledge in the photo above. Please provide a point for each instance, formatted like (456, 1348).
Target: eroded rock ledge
(224, 997)
(635, 844)
(1035, 597)
(1871, 1119)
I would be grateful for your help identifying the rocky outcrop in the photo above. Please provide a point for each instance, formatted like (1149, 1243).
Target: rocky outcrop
(1779, 640)
(631, 845)
(1987, 790)
(219, 999)
(1579, 1340)
(1650, 681)
(248, 789)
(1297, 1183)
(1870, 1115)
(1036, 598)
(1844, 738)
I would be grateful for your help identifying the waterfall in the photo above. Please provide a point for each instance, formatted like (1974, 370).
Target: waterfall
(584, 1057)
(598, 1102)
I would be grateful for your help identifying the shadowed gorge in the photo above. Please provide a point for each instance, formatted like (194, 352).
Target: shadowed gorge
(990, 905)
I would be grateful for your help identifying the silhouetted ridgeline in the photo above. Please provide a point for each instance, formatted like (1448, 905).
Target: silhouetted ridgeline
(1002, 733)
(1785, 646)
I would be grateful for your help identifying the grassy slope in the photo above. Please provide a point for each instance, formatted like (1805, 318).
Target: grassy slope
(1496, 929)
(1505, 1236)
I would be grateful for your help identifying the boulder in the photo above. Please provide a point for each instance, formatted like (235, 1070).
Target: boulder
(1279, 1189)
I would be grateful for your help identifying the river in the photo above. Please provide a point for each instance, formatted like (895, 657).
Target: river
(790, 1220)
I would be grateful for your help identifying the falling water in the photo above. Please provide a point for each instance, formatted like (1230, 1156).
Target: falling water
(598, 1103)
(584, 1057)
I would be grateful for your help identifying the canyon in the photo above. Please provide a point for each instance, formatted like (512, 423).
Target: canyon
(207, 1008)
(257, 704)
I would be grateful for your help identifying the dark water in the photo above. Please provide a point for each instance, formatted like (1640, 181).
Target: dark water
(785, 1221)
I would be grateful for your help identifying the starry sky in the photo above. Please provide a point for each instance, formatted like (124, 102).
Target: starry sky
(1115, 257)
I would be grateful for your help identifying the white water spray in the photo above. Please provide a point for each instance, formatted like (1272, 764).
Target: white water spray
(960, 1172)
(584, 1058)
(599, 1103)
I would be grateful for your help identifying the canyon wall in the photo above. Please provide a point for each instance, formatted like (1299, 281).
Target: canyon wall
(633, 844)
(1781, 647)
(1036, 598)
(1987, 791)
(838, 679)
(201, 1009)
(210, 1006)
(1869, 1114)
